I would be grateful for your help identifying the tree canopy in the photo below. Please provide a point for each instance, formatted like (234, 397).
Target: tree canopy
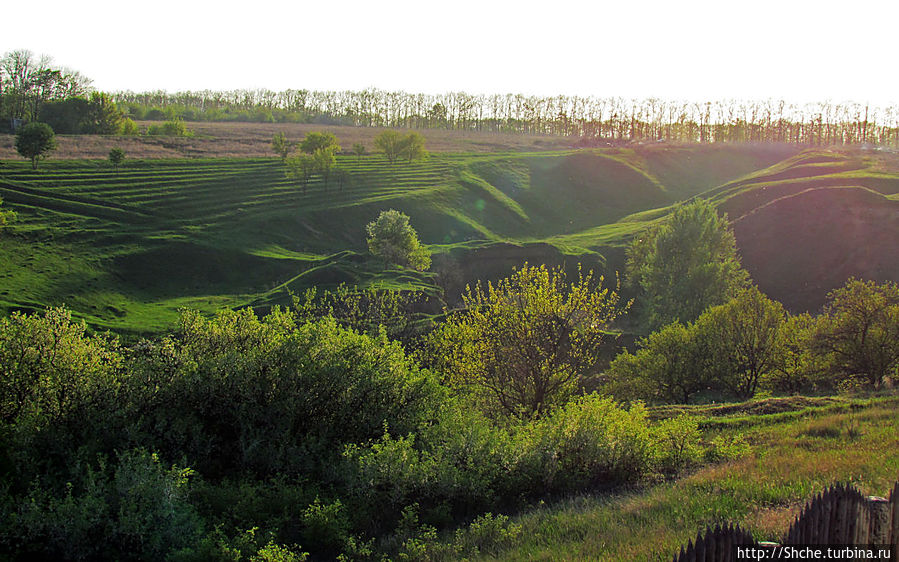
(685, 265)
(521, 346)
(392, 238)
(35, 141)
(316, 141)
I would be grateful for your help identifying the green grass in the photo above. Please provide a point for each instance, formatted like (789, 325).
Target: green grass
(791, 460)
(126, 249)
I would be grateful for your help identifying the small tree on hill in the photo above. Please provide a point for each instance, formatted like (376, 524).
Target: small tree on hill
(393, 239)
(300, 167)
(324, 161)
(359, 149)
(281, 146)
(116, 157)
(316, 141)
(35, 141)
(412, 147)
(390, 143)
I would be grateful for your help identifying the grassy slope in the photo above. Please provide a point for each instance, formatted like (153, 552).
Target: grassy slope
(125, 250)
(792, 458)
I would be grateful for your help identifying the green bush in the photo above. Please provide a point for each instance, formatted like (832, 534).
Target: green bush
(236, 393)
(676, 443)
(172, 128)
(133, 510)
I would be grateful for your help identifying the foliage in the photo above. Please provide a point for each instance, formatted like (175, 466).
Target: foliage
(128, 127)
(412, 146)
(685, 264)
(6, 216)
(392, 238)
(281, 145)
(523, 345)
(301, 167)
(366, 310)
(50, 369)
(317, 141)
(102, 117)
(390, 143)
(668, 367)
(240, 394)
(799, 368)
(859, 332)
(359, 149)
(741, 341)
(324, 161)
(676, 443)
(116, 157)
(135, 509)
(35, 141)
(171, 128)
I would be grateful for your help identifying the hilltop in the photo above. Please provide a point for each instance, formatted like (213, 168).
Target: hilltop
(125, 250)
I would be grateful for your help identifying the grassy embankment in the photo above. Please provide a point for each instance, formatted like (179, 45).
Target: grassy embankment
(795, 452)
(125, 250)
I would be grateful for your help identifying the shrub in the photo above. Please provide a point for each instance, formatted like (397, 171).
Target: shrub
(676, 443)
(134, 510)
(172, 128)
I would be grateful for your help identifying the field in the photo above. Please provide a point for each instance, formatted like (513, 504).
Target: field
(126, 249)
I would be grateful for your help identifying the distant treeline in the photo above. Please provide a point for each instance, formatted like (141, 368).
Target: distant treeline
(650, 119)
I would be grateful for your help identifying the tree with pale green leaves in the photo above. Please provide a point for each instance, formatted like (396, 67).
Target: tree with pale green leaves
(392, 238)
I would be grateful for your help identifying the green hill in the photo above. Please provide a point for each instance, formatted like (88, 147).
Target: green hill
(127, 249)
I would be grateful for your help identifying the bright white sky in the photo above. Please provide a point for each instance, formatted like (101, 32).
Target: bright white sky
(798, 50)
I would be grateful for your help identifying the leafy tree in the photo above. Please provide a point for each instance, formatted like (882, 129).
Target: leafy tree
(342, 176)
(859, 332)
(799, 366)
(359, 149)
(412, 147)
(667, 367)
(390, 143)
(741, 341)
(522, 346)
(128, 128)
(685, 265)
(316, 141)
(392, 238)
(102, 116)
(324, 161)
(301, 167)
(116, 157)
(281, 146)
(34, 141)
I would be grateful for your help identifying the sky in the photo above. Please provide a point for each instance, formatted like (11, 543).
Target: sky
(694, 50)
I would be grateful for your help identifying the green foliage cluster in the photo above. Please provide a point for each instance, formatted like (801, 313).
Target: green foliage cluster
(316, 154)
(394, 145)
(171, 128)
(524, 345)
(685, 264)
(34, 141)
(750, 343)
(239, 438)
(392, 238)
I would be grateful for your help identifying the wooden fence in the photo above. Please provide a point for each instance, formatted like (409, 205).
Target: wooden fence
(839, 515)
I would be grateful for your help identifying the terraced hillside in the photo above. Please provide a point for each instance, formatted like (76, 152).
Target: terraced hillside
(126, 249)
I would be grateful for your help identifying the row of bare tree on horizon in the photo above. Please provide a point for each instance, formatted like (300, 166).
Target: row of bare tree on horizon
(649, 119)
